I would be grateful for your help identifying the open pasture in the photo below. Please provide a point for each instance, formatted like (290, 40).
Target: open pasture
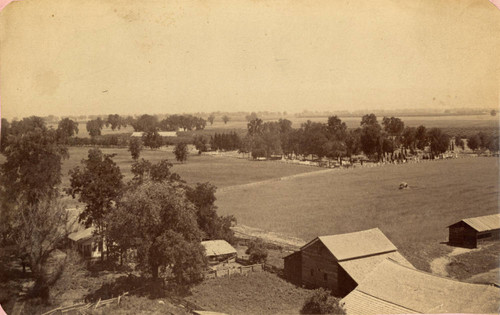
(220, 171)
(441, 192)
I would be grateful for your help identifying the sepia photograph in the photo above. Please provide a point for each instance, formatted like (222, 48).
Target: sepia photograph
(240, 157)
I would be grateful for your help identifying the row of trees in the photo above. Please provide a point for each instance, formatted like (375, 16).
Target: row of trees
(156, 213)
(482, 141)
(333, 140)
(225, 141)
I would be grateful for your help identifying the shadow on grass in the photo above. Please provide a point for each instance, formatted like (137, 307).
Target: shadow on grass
(132, 285)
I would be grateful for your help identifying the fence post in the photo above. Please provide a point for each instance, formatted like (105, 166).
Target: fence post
(97, 304)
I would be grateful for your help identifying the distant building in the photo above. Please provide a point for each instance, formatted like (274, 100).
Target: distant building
(340, 262)
(218, 251)
(392, 288)
(473, 231)
(161, 133)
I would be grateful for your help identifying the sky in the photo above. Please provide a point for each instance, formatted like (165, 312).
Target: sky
(70, 57)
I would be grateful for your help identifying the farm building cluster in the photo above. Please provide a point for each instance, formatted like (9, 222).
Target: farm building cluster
(366, 269)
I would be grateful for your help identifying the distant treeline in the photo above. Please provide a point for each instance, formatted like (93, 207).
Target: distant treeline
(334, 140)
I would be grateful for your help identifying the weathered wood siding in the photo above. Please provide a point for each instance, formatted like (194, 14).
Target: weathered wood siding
(462, 235)
(293, 268)
(487, 236)
(319, 268)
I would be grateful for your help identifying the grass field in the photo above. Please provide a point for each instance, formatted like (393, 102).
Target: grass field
(257, 293)
(220, 171)
(441, 193)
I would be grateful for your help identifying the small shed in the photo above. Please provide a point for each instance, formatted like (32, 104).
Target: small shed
(392, 288)
(218, 251)
(473, 231)
(84, 242)
(339, 262)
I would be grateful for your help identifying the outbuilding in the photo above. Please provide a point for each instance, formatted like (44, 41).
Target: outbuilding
(85, 242)
(473, 231)
(218, 251)
(340, 262)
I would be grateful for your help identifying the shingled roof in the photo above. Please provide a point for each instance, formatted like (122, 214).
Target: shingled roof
(483, 223)
(218, 247)
(356, 244)
(392, 289)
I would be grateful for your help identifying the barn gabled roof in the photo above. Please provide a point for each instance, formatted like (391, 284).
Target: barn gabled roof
(356, 244)
(392, 284)
(218, 247)
(483, 223)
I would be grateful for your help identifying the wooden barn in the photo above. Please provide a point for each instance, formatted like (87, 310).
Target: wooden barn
(340, 262)
(473, 231)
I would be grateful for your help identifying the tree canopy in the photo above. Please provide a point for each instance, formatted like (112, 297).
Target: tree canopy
(161, 225)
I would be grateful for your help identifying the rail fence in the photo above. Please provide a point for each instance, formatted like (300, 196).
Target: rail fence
(82, 307)
(243, 270)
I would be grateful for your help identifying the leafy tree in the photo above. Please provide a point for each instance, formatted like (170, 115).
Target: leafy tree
(314, 138)
(213, 226)
(211, 119)
(485, 140)
(371, 135)
(116, 122)
(146, 123)
(321, 302)
(98, 184)
(255, 126)
(225, 119)
(393, 126)
(494, 144)
(257, 251)
(135, 147)
(439, 141)
(408, 138)
(5, 126)
(459, 142)
(200, 143)
(67, 128)
(181, 152)
(493, 112)
(474, 142)
(353, 142)
(33, 161)
(161, 225)
(152, 139)
(421, 139)
(95, 126)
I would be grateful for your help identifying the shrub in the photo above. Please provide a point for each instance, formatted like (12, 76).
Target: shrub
(321, 302)
(257, 251)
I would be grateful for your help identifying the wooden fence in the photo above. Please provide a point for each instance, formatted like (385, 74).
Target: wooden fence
(243, 270)
(80, 308)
